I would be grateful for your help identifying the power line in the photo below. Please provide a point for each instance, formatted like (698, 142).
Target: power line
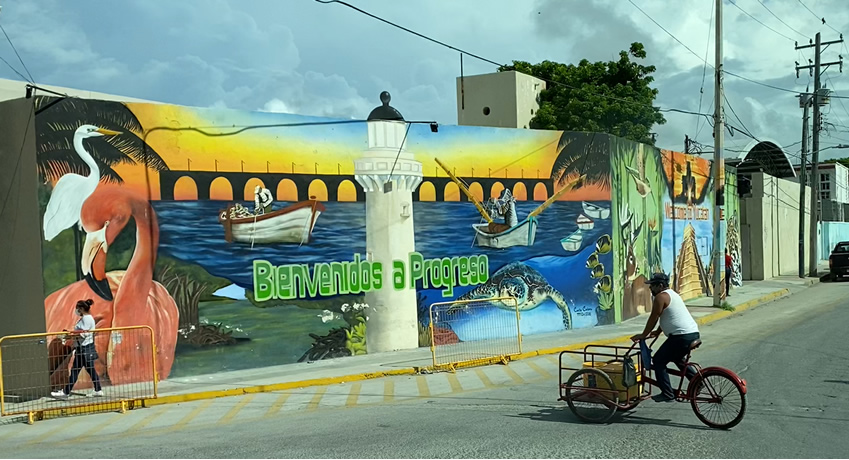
(704, 68)
(31, 80)
(760, 83)
(781, 20)
(759, 21)
(14, 69)
(821, 18)
(668, 32)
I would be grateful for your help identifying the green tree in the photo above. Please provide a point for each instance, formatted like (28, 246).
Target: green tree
(843, 161)
(582, 96)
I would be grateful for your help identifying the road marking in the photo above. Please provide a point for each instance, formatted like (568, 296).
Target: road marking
(316, 398)
(421, 382)
(388, 390)
(231, 414)
(484, 379)
(146, 421)
(194, 413)
(354, 394)
(513, 375)
(50, 433)
(107, 422)
(455, 383)
(553, 359)
(275, 408)
(539, 370)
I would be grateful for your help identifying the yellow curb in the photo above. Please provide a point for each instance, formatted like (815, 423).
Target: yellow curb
(187, 397)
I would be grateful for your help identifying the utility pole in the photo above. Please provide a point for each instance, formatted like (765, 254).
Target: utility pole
(817, 102)
(718, 137)
(805, 102)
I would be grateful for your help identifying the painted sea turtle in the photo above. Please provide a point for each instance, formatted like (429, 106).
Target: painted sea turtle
(524, 283)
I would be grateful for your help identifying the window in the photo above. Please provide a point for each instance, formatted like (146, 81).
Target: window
(825, 186)
(826, 195)
(842, 247)
(824, 177)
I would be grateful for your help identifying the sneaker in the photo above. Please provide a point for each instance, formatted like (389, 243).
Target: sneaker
(98, 394)
(59, 394)
(663, 398)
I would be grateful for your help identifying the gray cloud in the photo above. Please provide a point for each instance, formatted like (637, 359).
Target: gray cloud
(328, 60)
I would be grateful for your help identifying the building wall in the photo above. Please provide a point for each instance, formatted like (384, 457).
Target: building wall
(168, 262)
(771, 227)
(21, 286)
(13, 89)
(501, 99)
(831, 234)
(665, 223)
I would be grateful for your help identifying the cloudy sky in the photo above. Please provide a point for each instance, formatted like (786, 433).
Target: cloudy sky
(300, 56)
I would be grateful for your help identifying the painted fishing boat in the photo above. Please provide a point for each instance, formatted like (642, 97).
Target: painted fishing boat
(585, 223)
(521, 234)
(572, 243)
(596, 211)
(292, 224)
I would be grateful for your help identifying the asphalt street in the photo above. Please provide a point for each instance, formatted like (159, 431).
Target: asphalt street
(792, 352)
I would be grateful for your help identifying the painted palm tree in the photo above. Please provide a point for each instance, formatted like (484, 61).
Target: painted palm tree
(583, 153)
(59, 120)
(56, 122)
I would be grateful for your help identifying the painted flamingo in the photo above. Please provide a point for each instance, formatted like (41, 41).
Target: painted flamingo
(138, 300)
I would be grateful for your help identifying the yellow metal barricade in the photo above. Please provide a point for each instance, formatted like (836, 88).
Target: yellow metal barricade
(32, 366)
(473, 332)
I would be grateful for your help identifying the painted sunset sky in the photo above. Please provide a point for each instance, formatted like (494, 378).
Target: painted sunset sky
(331, 149)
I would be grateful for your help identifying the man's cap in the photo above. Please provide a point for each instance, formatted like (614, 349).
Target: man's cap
(658, 278)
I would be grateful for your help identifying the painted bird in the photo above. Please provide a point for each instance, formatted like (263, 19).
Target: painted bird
(639, 175)
(71, 190)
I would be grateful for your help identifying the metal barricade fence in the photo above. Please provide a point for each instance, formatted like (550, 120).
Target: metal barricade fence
(472, 332)
(32, 366)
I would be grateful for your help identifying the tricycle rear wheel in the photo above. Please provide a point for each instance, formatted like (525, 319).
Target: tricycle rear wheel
(729, 399)
(591, 395)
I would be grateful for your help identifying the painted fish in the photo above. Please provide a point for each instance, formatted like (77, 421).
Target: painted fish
(605, 284)
(592, 261)
(604, 244)
(598, 271)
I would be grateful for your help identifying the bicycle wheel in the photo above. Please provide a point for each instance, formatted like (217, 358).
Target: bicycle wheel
(591, 395)
(717, 399)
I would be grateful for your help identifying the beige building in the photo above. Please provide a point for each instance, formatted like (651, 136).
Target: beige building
(501, 99)
(13, 89)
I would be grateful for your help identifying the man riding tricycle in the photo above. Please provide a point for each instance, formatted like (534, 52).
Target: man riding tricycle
(614, 378)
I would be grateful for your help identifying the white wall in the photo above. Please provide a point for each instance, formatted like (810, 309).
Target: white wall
(770, 224)
(14, 89)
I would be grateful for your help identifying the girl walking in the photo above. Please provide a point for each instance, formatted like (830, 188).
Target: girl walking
(85, 354)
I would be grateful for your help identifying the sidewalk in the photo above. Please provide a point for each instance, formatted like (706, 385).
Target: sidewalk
(409, 362)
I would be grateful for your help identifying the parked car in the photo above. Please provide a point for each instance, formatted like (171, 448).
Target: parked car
(838, 261)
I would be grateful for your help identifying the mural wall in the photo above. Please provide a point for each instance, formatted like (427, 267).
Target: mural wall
(665, 223)
(165, 215)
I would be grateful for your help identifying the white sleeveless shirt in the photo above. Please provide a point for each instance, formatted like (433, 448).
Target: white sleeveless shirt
(676, 319)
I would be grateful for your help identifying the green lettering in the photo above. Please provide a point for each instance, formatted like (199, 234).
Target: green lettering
(339, 278)
(263, 280)
(299, 281)
(376, 276)
(364, 268)
(483, 268)
(353, 271)
(447, 277)
(399, 275)
(473, 270)
(463, 275)
(325, 277)
(285, 290)
(312, 281)
(435, 271)
(416, 269)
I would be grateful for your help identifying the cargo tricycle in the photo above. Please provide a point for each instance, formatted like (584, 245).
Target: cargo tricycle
(605, 384)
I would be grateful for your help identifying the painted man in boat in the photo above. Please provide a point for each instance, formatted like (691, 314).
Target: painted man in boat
(504, 206)
(262, 200)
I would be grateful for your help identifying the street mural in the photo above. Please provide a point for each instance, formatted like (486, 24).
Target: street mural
(665, 223)
(241, 238)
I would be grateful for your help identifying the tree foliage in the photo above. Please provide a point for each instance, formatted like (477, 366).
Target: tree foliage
(582, 96)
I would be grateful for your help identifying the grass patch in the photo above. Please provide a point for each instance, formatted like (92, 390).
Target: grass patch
(727, 306)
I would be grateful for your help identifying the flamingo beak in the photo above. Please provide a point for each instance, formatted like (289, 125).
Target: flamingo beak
(108, 132)
(93, 263)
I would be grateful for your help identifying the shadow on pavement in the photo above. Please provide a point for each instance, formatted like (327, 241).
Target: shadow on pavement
(564, 415)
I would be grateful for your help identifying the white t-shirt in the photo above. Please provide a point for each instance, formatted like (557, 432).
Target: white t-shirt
(675, 318)
(86, 323)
